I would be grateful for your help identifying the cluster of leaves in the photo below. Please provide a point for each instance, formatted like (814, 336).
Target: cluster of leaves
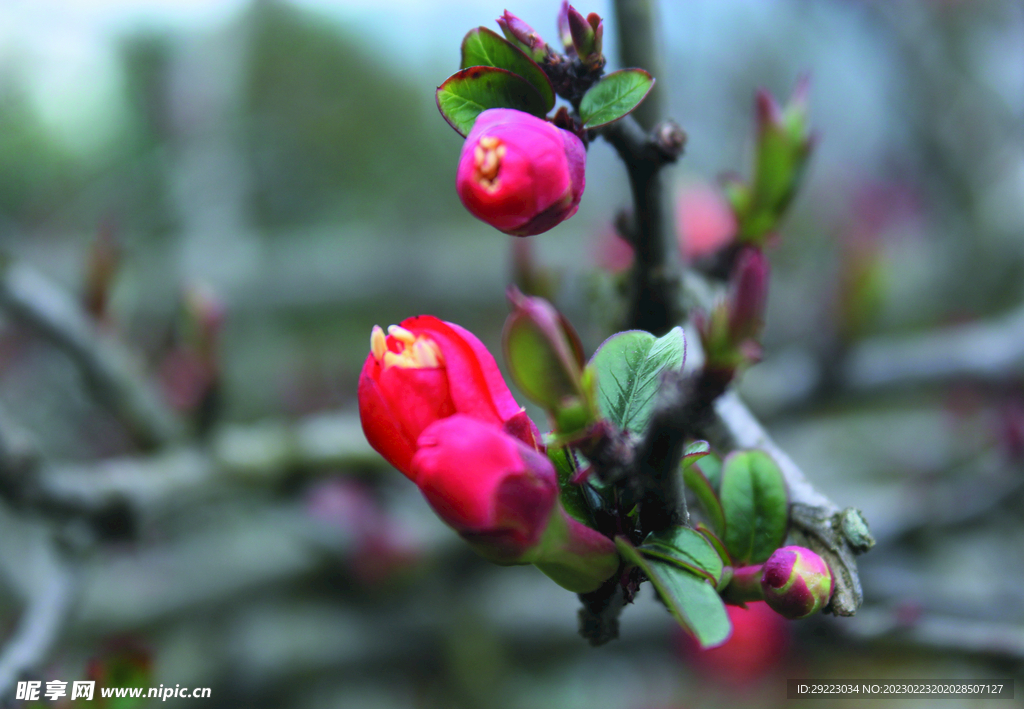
(496, 73)
(743, 507)
(742, 499)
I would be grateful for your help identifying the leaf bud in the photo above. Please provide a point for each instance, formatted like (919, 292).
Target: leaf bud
(524, 37)
(545, 360)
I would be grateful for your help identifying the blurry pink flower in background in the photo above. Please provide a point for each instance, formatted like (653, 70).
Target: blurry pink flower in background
(381, 547)
(758, 646)
(704, 225)
(704, 220)
(613, 253)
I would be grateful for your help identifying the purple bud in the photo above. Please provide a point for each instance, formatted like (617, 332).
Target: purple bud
(749, 295)
(564, 33)
(796, 582)
(769, 115)
(523, 36)
(583, 37)
(595, 21)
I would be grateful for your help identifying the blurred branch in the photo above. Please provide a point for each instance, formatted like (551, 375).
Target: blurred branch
(108, 368)
(39, 628)
(989, 351)
(812, 513)
(638, 47)
(262, 454)
(977, 489)
(939, 632)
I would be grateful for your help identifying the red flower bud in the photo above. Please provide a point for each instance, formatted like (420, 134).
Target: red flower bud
(519, 173)
(488, 486)
(425, 370)
(796, 582)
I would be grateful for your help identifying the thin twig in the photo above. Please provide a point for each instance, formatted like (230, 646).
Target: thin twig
(108, 368)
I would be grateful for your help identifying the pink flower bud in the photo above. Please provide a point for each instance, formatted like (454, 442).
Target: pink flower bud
(519, 173)
(796, 582)
(491, 488)
(706, 221)
(424, 370)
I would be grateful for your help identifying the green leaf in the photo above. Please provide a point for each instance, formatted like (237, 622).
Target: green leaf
(716, 542)
(711, 466)
(687, 547)
(693, 602)
(709, 502)
(614, 96)
(572, 496)
(755, 504)
(482, 47)
(466, 94)
(695, 450)
(628, 368)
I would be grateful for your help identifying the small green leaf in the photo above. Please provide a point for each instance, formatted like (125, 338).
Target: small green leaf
(711, 466)
(709, 502)
(628, 368)
(466, 94)
(693, 602)
(614, 96)
(572, 496)
(482, 47)
(687, 546)
(755, 504)
(695, 450)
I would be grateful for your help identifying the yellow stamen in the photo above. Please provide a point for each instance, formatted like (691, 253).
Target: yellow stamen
(401, 334)
(414, 351)
(378, 343)
(426, 353)
(487, 157)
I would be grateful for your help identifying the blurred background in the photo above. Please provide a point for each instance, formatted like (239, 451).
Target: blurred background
(205, 205)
